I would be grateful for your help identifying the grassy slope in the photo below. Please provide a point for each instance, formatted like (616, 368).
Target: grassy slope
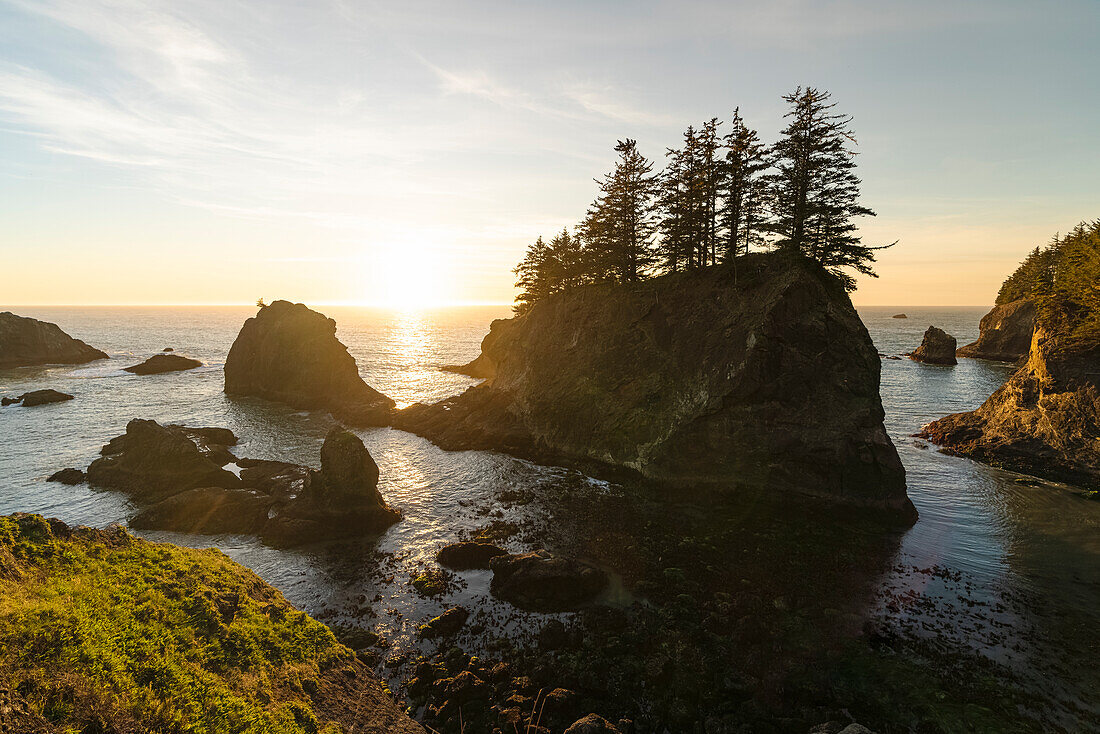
(100, 631)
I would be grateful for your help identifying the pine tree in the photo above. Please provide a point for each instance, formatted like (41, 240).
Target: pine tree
(744, 195)
(814, 188)
(619, 227)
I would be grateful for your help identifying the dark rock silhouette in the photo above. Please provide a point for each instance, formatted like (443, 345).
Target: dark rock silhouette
(445, 625)
(38, 397)
(467, 555)
(25, 341)
(290, 354)
(761, 376)
(899, 316)
(67, 476)
(481, 366)
(1044, 421)
(176, 473)
(542, 582)
(160, 363)
(937, 347)
(1005, 333)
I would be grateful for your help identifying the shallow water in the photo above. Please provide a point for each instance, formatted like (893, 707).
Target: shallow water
(1029, 553)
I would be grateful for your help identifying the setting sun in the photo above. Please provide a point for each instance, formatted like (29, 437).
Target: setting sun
(407, 278)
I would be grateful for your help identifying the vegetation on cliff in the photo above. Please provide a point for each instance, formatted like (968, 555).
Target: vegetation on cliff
(719, 197)
(101, 631)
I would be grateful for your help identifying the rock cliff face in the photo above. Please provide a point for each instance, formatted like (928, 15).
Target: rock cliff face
(290, 354)
(762, 377)
(937, 347)
(1005, 333)
(1044, 421)
(25, 341)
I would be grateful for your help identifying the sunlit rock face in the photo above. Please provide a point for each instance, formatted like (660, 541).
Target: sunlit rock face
(937, 347)
(290, 354)
(1045, 420)
(755, 376)
(1005, 333)
(25, 341)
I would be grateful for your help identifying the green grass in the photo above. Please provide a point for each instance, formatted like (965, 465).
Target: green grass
(109, 632)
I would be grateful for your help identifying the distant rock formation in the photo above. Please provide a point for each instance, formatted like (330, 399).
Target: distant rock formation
(38, 397)
(290, 354)
(160, 363)
(25, 341)
(176, 473)
(1044, 421)
(937, 347)
(761, 376)
(481, 366)
(899, 316)
(1005, 333)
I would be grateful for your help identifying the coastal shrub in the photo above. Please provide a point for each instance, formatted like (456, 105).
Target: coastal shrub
(102, 631)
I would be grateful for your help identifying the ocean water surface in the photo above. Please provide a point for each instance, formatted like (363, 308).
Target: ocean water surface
(1002, 565)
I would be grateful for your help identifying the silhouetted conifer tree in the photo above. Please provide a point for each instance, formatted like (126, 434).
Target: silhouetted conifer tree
(744, 194)
(618, 230)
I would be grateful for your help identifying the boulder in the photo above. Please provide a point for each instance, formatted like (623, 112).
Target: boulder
(467, 555)
(746, 377)
(43, 397)
(937, 347)
(26, 341)
(290, 354)
(152, 462)
(348, 470)
(446, 624)
(207, 511)
(592, 724)
(160, 363)
(1043, 421)
(542, 582)
(1005, 332)
(67, 476)
(6, 401)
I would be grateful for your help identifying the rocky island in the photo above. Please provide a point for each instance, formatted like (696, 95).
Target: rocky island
(153, 637)
(25, 342)
(755, 377)
(178, 476)
(937, 347)
(1045, 420)
(161, 363)
(290, 354)
(1005, 334)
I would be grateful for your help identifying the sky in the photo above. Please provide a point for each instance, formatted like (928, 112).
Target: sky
(406, 153)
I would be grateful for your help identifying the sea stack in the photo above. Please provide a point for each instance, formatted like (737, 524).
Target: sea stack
(755, 376)
(1005, 332)
(160, 363)
(290, 354)
(25, 341)
(937, 347)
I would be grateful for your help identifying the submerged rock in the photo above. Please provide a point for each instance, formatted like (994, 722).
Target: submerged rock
(1005, 332)
(41, 397)
(467, 555)
(759, 376)
(67, 476)
(446, 624)
(160, 363)
(25, 341)
(290, 354)
(1044, 421)
(937, 347)
(542, 582)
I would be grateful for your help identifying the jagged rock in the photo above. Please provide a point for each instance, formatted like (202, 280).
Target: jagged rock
(152, 462)
(1044, 421)
(340, 500)
(755, 376)
(446, 624)
(25, 341)
(290, 354)
(206, 511)
(481, 366)
(42, 397)
(899, 316)
(541, 582)
(1005, 332)
(592, 724)
(467, 555)
(67, 476)
(937, 347)
(160, 363)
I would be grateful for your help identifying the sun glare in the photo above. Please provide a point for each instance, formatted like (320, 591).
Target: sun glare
(408, 278)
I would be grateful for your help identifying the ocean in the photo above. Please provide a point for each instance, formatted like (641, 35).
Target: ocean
(1026, 549)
